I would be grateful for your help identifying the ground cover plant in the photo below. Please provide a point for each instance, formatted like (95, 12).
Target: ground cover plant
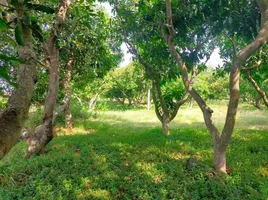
(89, 135)
(123, 155)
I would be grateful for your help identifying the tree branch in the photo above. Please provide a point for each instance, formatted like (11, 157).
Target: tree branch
(178, 105)
(207, 111)
(257, 88)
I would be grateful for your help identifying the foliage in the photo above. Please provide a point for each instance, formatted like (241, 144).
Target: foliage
(86, 38)
(12, 20)
(172, 91)
(3, 102)
(107, 158)
(126, 83)
(212, 87)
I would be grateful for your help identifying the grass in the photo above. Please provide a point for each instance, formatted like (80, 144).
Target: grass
(123, 155)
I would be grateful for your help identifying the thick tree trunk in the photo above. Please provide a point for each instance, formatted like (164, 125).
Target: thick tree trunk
(219, 162)
(44, 133)
(67, 97)
(12, 119)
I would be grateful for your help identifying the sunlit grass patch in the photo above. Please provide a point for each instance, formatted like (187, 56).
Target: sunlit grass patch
(124, 155)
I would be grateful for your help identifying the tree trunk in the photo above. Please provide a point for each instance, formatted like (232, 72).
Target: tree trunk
(67, 97)
(129, 102)
(257, 103)
(149, 100)
(93, 102)
(12, 119)
(165, 124)
(120, 100)
(43, 134)
(219, 162)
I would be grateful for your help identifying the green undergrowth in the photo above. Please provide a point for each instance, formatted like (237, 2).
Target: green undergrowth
(123, 155)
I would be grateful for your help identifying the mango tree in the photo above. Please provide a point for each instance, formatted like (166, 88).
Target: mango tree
(17, 15)
(220, 139)
(140, 34)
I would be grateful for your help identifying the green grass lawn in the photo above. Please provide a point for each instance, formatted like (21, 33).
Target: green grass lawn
(123, 155)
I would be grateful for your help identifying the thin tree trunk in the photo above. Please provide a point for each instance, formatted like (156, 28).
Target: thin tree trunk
(43, 134)
(67, 97)
(129, 102)
(12, 119)
(257, 103)
(93, 101)
(149, 100)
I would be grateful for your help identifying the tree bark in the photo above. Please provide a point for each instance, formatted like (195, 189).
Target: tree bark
(44, 133)
(165, 124)
(219, 161)
(67, 96)
(220, 141)
(161, 109)
(12, 119)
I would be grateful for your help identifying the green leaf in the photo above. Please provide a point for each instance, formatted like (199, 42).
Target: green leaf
(11, 58)
(3, 24)
(18, 35)
(37, 31)
(26, 20)
(41, 8)
(4, 74)
(13, 2)
(34, 19)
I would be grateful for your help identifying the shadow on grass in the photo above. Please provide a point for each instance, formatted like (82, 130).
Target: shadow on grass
(133, 162)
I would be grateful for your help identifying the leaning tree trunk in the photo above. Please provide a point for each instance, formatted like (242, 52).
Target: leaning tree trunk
(12, 119)
(44, 133)
(67, 96)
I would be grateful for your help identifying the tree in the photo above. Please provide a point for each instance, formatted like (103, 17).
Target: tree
(220, 140)
(43, 134)
(143, 41)
(126, 83)
(26, 26)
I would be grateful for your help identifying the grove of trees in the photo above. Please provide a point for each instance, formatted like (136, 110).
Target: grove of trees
(52, 52)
